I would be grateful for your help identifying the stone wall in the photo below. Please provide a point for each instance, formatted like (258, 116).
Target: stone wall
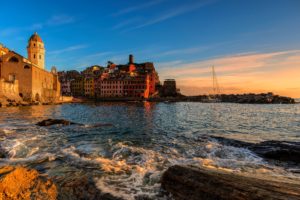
(10, 90)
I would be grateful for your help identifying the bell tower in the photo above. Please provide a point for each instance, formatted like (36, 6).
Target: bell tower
(36, 51)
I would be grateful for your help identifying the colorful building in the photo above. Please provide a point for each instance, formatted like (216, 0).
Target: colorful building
(77, 86)
(131, 80)
(89, 87)
(34, 82)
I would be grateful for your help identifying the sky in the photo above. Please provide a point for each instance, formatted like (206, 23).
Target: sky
(254, 45)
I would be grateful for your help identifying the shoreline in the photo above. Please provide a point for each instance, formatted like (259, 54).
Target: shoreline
(268, 98)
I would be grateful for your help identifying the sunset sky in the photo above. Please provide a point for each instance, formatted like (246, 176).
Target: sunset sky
(254, 45)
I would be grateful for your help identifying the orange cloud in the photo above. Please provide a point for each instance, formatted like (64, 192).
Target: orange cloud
(278, 72)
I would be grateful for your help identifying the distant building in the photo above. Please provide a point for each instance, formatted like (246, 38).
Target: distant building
(77, 87)
(123, 87)
(65, 78)
(130, 80)
(89, 87)
(169, 88)
(29, 74)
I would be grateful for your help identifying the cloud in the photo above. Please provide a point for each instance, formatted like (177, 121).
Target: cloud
(60, 20)
(137, 7)
(172, 13)
(125, 23)
(247, 72)
(68, 49)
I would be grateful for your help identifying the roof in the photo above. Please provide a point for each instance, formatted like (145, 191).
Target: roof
(35, 37)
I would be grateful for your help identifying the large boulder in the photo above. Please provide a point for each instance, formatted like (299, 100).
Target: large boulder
(193, 183)
(26, 184)
(20, 183)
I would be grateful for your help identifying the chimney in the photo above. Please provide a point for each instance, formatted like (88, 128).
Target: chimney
(131, 59)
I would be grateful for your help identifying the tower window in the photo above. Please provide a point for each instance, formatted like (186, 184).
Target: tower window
(40, 57)
(34, 44)
(33, 55)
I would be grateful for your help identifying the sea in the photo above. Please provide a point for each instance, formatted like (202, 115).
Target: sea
(128, 158)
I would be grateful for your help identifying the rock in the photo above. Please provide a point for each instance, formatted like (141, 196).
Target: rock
(278, 150)
(19, 183)
(272, 150)
(2, 153)
(50, 122)
(82, 188)
(26, 184)
(192, 183)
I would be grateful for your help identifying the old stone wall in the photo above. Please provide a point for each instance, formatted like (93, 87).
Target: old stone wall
(9, 90)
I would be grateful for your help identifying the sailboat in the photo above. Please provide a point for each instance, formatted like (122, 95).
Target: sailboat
(215, 96)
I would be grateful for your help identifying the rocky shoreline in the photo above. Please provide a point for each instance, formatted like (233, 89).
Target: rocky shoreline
(179, 182)
(263, 98)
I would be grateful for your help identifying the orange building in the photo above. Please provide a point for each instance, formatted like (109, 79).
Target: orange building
(131, 80)
(34, 82)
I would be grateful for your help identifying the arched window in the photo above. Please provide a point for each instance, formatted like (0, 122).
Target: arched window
(13, 59)
(33, 55)
(34, 44)
(26, 67)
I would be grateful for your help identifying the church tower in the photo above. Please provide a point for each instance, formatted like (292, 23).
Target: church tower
(36, 51)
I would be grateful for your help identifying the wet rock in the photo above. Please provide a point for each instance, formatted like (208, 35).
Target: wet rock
(50, 122)
(192, 183)
(26, 184)
(272, 150)
(82, 188)
(2, 153)
(278, 150)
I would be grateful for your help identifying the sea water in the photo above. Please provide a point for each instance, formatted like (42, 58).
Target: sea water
(128, 158)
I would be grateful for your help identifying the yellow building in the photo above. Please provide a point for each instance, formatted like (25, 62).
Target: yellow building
(77, 86)
(34, 82)
(89, 87)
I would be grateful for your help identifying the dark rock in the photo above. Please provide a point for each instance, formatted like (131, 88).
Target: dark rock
(273, 150)
(82, 188)
(278, 150)
(2, 153)
(192, 183)
(50, 122)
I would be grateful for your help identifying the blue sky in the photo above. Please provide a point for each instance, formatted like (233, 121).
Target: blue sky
(170, 33)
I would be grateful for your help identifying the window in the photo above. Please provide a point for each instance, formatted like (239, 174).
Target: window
(26, 67)
(40, 57)
(12, 77)
(34, 44)
(13, 59)
(33, 55)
